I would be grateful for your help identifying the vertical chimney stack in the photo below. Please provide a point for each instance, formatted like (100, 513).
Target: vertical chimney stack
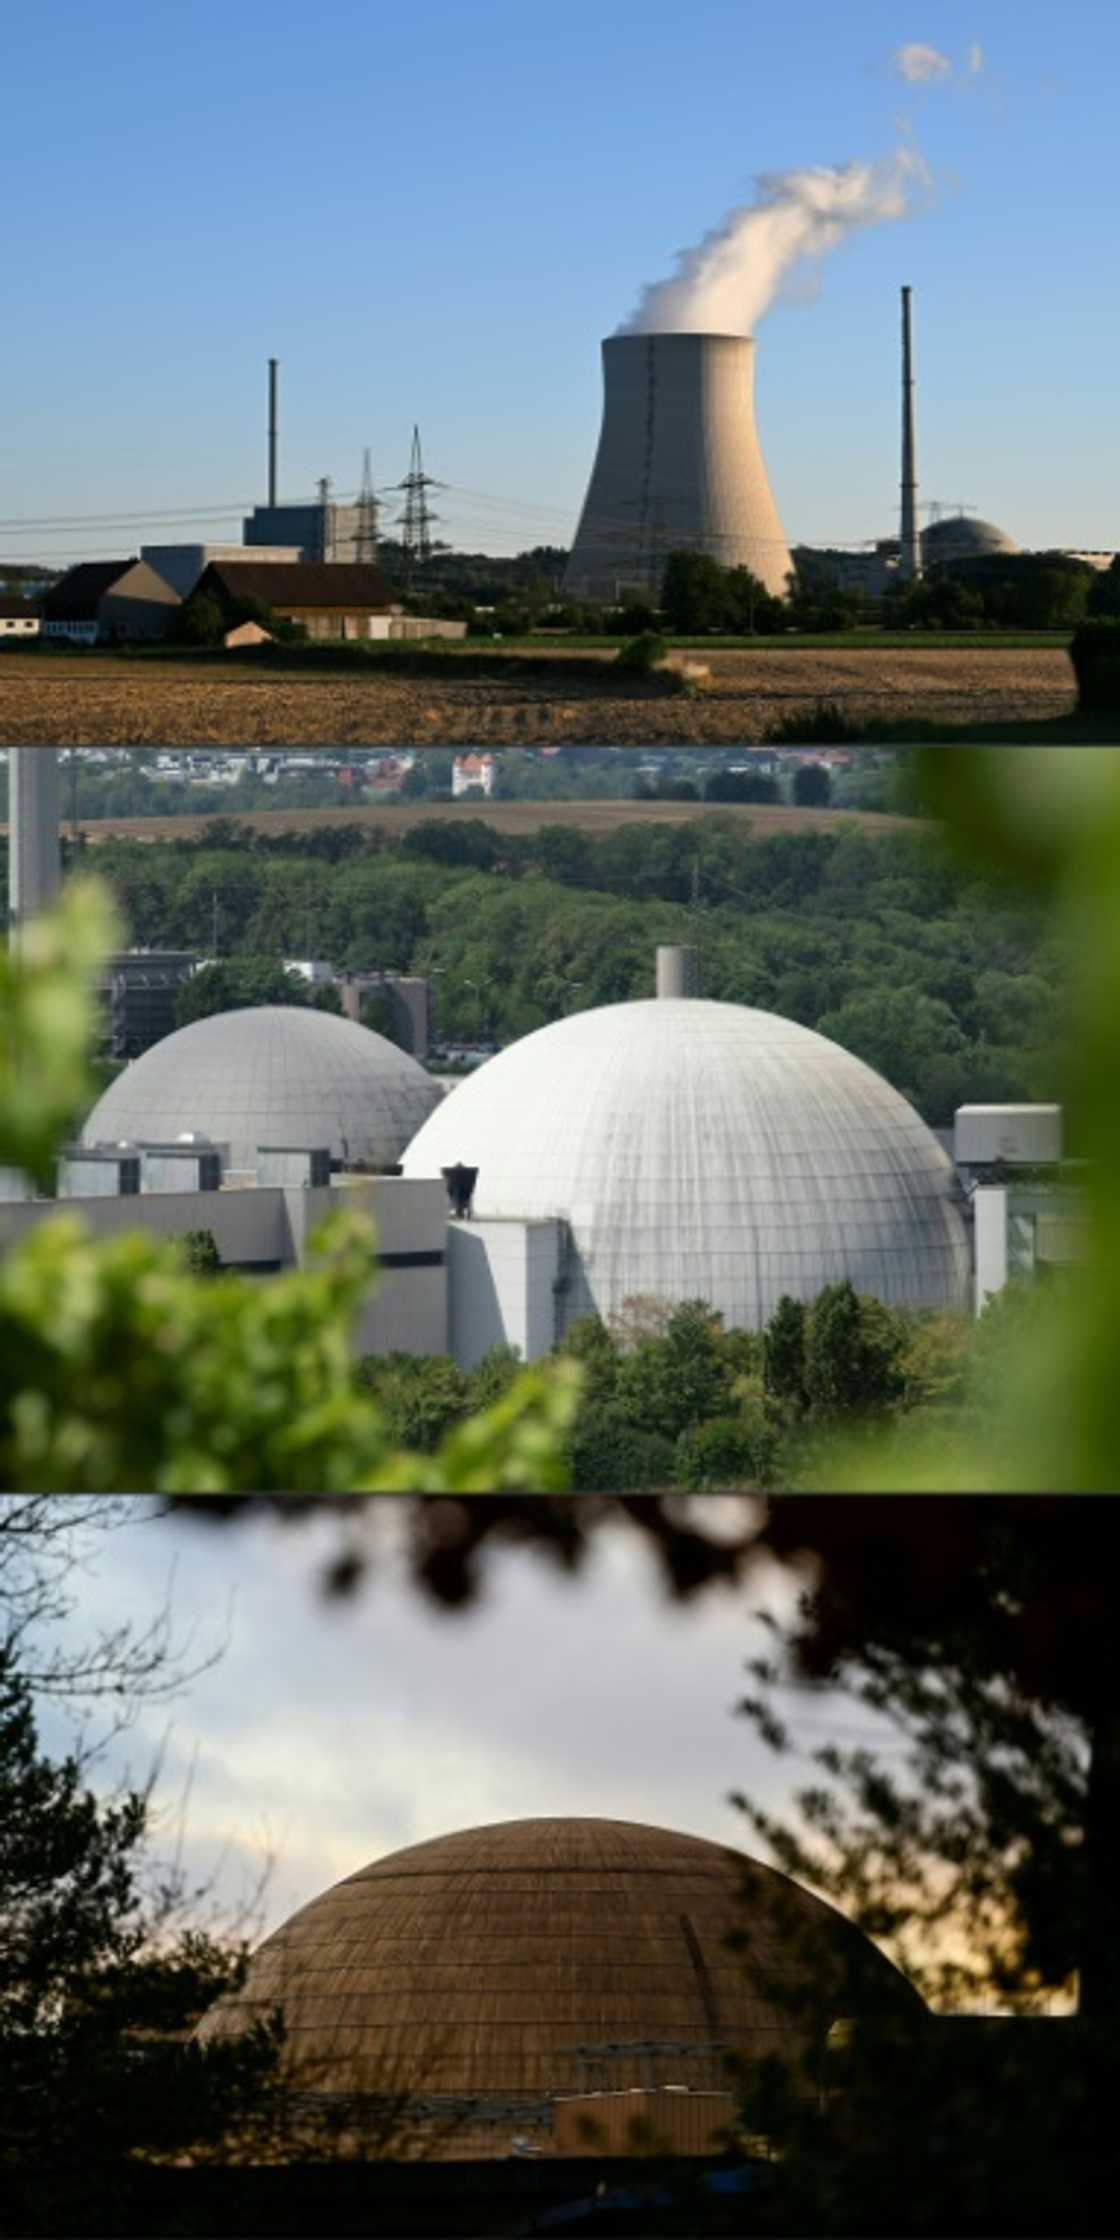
(678, 973)
(35, 833)
(273, 388)
(910, 555)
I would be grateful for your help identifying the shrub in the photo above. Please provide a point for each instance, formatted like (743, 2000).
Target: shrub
(640, 656)
(1095, 654)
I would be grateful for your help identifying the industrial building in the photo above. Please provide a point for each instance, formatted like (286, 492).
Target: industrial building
(479, 1980)
(678, 466)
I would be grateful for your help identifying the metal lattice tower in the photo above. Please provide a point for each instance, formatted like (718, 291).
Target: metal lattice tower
(417, 517)
(366, 539)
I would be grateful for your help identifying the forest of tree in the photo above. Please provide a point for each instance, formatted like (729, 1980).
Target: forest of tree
(947, 981)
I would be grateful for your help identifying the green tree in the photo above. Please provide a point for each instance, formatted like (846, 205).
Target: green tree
(694, 596)
(853, 1350)
(812, 785)
(423, 1398)
(671, 1383)
(97, 1990)
(784, 1368)
(240, 983)
(200, 1252)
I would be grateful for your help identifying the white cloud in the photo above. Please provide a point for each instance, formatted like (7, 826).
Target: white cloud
(920, 65)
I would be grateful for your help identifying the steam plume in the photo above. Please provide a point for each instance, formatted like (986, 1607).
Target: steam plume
(725, 283)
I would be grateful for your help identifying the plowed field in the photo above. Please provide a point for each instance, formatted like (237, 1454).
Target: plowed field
(98, 700)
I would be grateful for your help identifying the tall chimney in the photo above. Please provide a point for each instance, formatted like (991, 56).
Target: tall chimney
(678, 973)
(910, 555)
(35, 836)
(273, 388)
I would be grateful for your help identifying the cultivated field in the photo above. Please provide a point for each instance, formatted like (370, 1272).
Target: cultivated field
(514, 817)
(102, 700)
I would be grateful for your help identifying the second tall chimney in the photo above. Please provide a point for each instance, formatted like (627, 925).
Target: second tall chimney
(910, 554)
(273, 387)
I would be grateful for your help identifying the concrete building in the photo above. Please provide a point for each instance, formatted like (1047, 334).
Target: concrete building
(106, 601)
(678, 467)
(264, 1227)
(34, 825)
(484, 1976)
(1026, 1202)
(680, 1149)
(321, 531)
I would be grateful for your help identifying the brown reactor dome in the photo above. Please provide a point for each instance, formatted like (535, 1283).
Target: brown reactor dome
(504, 1967)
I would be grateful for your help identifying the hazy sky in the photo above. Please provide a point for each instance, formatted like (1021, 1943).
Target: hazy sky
(328, 1734)
(433, 215)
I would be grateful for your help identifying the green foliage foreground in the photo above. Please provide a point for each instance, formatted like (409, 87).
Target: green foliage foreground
(121, 1371)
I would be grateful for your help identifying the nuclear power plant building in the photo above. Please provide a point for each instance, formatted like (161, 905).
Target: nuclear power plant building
(487, 1980)
(678, 467)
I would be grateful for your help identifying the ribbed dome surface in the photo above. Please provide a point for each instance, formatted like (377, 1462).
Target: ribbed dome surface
(278, 1076)
(502, 1961)
(706, 1151)
(962, 536)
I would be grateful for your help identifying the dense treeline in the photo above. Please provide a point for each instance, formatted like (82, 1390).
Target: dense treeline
(948, 984)
(673, 1399)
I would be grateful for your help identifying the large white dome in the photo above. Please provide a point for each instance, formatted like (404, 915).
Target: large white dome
(278, 1076)
(706, 1151)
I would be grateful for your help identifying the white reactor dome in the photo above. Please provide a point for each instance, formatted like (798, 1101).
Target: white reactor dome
(276, 1076)
(706, 1151)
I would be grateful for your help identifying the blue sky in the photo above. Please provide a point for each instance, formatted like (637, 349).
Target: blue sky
(435, 214)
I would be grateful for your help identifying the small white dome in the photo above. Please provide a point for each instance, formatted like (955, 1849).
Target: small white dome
(707, 1151)
(278, 1076)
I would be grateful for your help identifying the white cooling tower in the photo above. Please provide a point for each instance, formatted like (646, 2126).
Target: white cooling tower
(678, 467)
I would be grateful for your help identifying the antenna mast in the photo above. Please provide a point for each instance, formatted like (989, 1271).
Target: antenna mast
(417, 517)
(366, 539)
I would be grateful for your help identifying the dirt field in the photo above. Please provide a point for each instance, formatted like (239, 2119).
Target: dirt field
(97, 700)
(504, 816)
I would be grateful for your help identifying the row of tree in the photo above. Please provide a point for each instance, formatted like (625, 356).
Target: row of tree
(670, 1397)
(947, 981)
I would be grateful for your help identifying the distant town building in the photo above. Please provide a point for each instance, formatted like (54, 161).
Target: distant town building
(472, 773)
(109, 601)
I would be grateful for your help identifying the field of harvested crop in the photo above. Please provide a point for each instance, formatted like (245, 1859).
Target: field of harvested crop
(514, 817)
(102, 700)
